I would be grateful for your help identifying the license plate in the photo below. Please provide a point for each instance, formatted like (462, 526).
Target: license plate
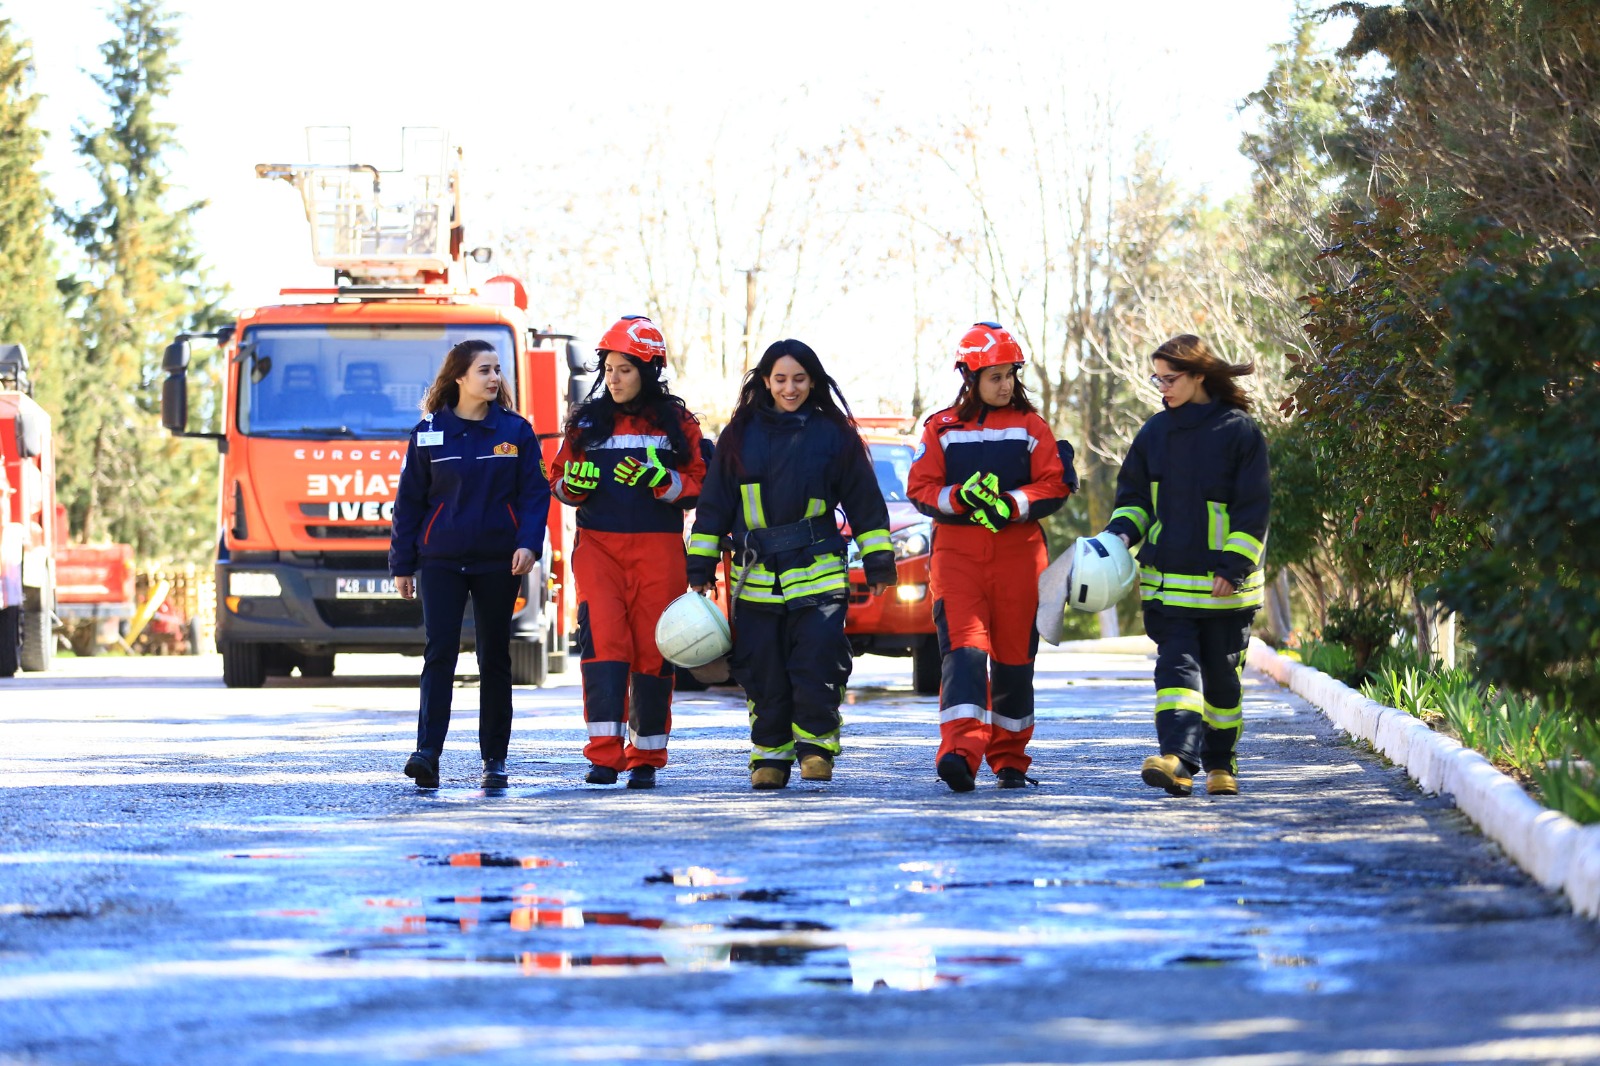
(365, 588)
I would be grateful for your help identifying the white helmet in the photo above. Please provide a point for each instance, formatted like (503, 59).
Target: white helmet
(1102, 573)
(692, 632)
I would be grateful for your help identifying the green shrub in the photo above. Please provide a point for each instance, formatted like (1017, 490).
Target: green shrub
(1364, 628)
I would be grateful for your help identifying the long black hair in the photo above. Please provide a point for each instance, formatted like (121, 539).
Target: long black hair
(593, 420)
(825, 398)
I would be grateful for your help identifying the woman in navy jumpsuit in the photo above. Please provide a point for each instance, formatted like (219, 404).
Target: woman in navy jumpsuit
(469, 521)
(789, 458)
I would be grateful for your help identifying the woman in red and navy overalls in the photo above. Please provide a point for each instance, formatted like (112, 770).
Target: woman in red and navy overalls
(631, 464)
(469, 521)
(987, 470)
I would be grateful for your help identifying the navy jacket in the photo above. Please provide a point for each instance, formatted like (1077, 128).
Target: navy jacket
(1194, 488)
(615, 508)
(779, 469)
(471, 494)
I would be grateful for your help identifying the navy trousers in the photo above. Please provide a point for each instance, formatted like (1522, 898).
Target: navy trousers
(444, 596)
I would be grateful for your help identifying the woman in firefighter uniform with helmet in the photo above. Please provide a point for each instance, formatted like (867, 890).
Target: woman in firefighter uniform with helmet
(788, 459)
(630, 462)
(469, 521)
(987, 470)
(1194, 489)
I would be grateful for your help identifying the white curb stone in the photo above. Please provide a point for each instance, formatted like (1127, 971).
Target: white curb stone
(1554, 850)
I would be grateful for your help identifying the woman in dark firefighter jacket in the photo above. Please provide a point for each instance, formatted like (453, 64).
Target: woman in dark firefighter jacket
(630, 463)
(1194, 489)
(469, 520)
(987, 470)
(790, 456)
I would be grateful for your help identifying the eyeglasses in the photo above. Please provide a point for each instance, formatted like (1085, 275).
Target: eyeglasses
(1164, 381)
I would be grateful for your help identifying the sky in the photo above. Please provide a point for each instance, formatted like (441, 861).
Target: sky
(521, 82)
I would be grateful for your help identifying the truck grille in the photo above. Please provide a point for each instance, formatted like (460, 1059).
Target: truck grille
(348, 532)
(859, 593)
(397, 614)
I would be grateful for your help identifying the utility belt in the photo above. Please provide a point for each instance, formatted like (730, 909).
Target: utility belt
(768, 541)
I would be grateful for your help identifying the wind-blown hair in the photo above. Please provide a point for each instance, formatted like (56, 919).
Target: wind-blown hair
(825, 399)
(1191, 355)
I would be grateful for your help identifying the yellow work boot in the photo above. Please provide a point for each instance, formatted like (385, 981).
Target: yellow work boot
(769, 777)
(1168, 772)
(816, 768)
(1221, 783)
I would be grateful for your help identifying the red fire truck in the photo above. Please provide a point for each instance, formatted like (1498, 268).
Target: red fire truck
(28, 521)
(319, 396)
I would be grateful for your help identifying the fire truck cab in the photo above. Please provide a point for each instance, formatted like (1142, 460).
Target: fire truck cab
(319, 397)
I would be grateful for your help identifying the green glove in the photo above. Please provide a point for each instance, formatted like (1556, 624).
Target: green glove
(982, 492)
(631, 471)
(582, 476)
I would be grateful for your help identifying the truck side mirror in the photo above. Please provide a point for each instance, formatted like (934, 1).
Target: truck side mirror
(577, 362)
(175, 389)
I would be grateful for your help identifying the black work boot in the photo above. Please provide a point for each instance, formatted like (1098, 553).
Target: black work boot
(601, 775)
(642, 777)
(954, 771)
(1011, 777)
(494, 774)
(423, 768)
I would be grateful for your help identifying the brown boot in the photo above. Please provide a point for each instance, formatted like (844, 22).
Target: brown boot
(816, 768)
(769, 777)
(1221, 783)
(1168, 772)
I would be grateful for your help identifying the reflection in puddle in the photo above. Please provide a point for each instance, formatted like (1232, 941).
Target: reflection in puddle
(487, 860)
(693, 877)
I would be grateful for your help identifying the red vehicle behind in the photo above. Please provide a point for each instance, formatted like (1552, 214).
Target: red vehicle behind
(94, 593)
(900, 622)
(29, 525)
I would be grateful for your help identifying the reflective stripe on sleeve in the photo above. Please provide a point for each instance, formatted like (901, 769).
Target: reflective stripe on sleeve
(1136, 515)
(1021, 499)
(703, 544)
(1245, 545)
(945, 506)
(874, 540)
(674, 490)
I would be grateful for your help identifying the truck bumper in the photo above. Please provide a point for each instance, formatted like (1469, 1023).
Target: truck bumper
(311, 615)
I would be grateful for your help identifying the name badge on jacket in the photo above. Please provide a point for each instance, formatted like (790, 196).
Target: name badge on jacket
(430, 440)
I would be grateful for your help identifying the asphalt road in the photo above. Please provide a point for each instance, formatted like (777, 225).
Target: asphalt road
(192, 874)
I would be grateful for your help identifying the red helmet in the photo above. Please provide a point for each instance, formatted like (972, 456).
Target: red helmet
(637, 336)
(987, 344)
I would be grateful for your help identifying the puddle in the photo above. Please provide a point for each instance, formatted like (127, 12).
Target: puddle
(692, 877)
(485, 859)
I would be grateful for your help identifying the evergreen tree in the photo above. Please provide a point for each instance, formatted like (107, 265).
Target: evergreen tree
(141, 284)
(30, 306)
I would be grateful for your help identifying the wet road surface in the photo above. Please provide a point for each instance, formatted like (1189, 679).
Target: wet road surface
(192, 874)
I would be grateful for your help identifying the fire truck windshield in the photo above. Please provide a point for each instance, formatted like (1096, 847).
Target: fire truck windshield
(361, 382)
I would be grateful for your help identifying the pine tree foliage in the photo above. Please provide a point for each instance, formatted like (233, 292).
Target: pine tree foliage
(142, 283)
(30, 305)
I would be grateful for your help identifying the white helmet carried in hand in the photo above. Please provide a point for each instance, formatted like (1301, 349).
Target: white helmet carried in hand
(1102, 573)
(692, 632)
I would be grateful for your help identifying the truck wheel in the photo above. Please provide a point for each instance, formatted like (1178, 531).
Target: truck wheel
(926, 667)
(38, 637)
(316, 665)
(243, 665)
(528, 663)
(10, 640)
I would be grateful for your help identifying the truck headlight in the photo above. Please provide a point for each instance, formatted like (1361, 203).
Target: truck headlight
(247, 583)
(912, 540)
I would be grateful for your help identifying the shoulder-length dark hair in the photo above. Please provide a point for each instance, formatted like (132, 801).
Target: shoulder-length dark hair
(968, 402)
(1191, 355)
(444, 392)
(593, 420)
(825, 398)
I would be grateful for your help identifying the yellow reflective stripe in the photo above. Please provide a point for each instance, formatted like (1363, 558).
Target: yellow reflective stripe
(874, 540)
(1216, 525)
(1136, 515)
(1245, 545)
(826, 741)
(760, 595)
(1179, 699)
(1249, 598)
(821, 566)
(831, 583)
(783, 754)
(754, 516)
(816, 508)
(757, 575)
(703, 544)
(1223, 717)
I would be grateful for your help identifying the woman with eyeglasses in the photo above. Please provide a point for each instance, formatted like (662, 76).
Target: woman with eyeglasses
(987, 470)
(1194, 490)
(789, 460)
(630, 466)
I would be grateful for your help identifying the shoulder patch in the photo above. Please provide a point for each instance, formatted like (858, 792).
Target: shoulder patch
(922, 449)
